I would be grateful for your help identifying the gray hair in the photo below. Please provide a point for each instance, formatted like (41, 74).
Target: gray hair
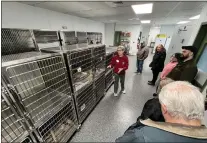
(121, 47)
(183, 100)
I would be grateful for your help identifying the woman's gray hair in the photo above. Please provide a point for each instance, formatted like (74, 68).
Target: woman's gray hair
(183, 100)
(121, 47)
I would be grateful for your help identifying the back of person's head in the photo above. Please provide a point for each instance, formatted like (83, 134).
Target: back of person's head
(182, 101)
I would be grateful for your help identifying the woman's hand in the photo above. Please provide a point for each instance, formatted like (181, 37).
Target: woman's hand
(120, 69)
(109, 66)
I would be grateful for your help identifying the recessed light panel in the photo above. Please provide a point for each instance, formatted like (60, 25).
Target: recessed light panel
(183, 22)
(145, 21)
(142, 8)
(195, 17)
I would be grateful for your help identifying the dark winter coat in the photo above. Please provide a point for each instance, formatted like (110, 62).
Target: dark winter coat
(184, 71)
(158, 61)
(150, 131)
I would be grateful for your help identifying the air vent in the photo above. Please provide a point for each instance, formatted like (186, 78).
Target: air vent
(118, 2)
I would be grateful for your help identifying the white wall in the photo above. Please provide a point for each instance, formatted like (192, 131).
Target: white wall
(197, 24)
(188, 36)
(145, 29)
(167, 30)
(17, 15)
(135, 30)
(109, 34)
(152, 34)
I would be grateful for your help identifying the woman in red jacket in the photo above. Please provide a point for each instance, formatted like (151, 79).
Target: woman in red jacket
(120, 64)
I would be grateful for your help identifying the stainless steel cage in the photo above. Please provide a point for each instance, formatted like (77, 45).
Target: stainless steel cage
(82, 37)
(80, 63)
(46, 38)
(85, 102)
(109, 79)
(15, 41)
(99, 57)
(61, 126)
(69, 37)
(12, 127)
(41, 84)
(100, 87)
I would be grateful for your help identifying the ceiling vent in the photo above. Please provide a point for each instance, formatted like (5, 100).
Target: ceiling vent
(118, 2)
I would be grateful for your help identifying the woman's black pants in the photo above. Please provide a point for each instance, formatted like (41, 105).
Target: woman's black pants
(155, 75)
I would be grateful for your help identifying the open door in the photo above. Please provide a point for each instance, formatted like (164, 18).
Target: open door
(117, 38)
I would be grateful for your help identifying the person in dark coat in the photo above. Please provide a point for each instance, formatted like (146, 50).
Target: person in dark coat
(157, 63)
(186, 70)
(182, 106)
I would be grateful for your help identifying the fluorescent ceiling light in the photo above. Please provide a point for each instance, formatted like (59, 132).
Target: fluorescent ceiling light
(195, 17)
(142, 8)
(183, 22)
(145, 21)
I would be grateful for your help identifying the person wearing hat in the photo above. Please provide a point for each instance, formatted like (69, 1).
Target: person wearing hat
(186, 70)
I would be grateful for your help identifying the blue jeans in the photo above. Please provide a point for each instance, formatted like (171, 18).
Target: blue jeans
(140, 65)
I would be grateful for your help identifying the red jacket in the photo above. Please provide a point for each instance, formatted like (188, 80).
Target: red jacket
(119, 62)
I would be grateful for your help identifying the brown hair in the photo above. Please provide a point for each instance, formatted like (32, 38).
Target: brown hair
(162, 47)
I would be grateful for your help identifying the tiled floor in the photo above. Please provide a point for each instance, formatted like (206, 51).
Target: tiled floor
(113, 115)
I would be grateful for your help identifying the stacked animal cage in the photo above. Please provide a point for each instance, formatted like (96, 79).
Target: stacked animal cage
(13, 124)
(40, 87)
(99, 56)
(109, 72)
(78, 59)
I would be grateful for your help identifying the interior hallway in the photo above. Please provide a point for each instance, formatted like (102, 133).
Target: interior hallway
(113, 115)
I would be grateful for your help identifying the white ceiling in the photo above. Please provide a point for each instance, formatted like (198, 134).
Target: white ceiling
(163, 12)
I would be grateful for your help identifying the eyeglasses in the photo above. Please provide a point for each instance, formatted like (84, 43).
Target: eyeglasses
(119, 50)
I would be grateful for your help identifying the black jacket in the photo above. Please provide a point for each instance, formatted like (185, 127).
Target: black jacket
(158, 61)
(185, 71)
(150, 131)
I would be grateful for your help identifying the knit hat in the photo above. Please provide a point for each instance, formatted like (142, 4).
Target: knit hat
(191, 48)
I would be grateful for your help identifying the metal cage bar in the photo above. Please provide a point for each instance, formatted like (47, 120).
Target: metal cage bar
(100, 87)
(15, 41)
(42, 86)
(12, 127)
(109, 79)
(86, 101)
(46, 39)
(80, 66)
(61, 126)
(69, 37)
(99, 53)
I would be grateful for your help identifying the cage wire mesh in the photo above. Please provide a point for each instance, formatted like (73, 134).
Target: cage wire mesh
(69, 37)
(46, 39)
(81, 67)
(82, 37)
(109, 57)
(41, 85)
(27, 140)
(99, 53)
(11, 126)
(15, 41)
(61, 126)
(108, 78)
(100, 87)
(86, 101)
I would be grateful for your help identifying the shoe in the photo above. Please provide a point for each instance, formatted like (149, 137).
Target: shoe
(115, 94)
(154, 94)
(150, 83)
(139, 73)
(124, 91)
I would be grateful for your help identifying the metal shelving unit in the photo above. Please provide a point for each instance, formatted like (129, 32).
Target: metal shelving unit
(100, 87)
